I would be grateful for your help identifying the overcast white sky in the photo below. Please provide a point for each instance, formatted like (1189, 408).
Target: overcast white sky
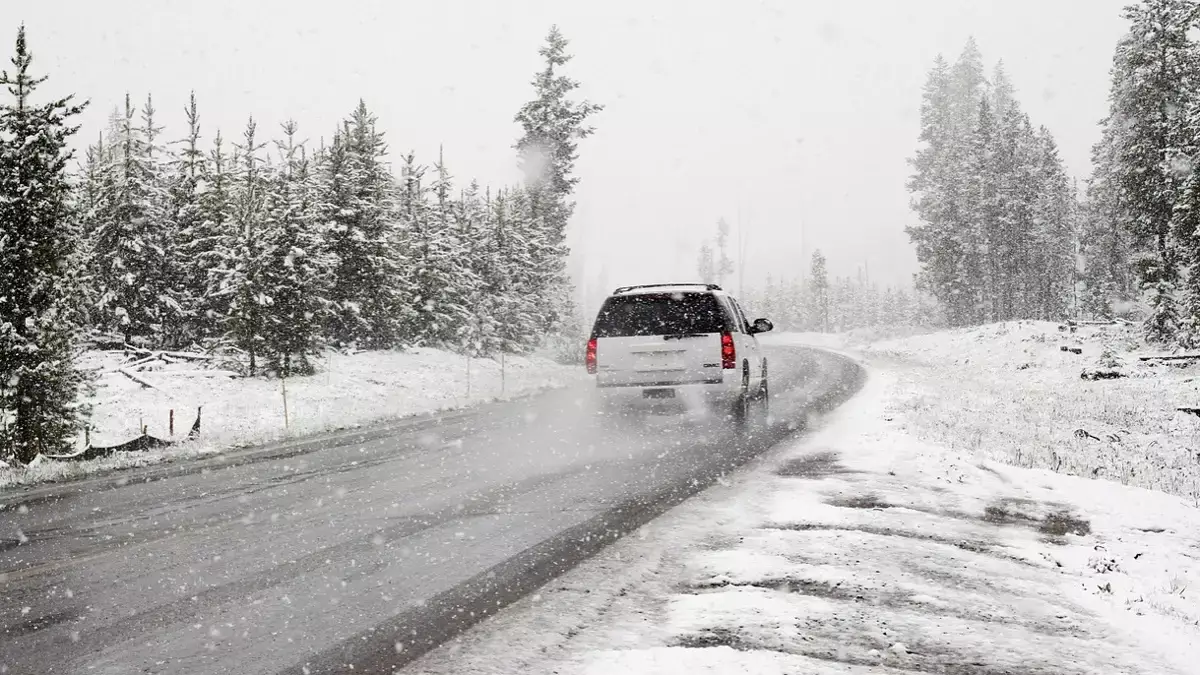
(799, 114)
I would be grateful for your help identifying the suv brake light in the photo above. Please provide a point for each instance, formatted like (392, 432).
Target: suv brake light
(728, 351)
(591, 356)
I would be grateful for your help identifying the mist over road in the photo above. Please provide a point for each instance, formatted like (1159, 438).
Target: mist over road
(366, 548)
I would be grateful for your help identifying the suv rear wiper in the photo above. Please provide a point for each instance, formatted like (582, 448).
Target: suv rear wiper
(680, 336)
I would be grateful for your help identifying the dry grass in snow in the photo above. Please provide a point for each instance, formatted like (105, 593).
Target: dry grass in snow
(349, 391)
(1010, 393)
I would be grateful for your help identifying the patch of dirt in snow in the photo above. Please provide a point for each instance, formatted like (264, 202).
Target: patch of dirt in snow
(812, 465)
(867, 501)
(863, 550)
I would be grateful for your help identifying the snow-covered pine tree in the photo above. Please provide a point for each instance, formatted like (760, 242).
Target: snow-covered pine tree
(131, 269)
(796, 313)
(706, 266)
(1106, 243)
(891, 306)
(169, 272)
(978, 277)
(206, 246)
(472, 262)
(439, 280)
(771, 301)
(449, 219)
(191, 241)
(724, 266)
(1003, 93)
(1154, 74)
(552, 125)
(1004, 222)
(295, 269)
(937, 186)
(89, 198)
(244, 257)
(994, 209)
(1054, 239)
(422, 251)
(967, 86)
(547, 288)
(819, 293)
(492, 270)
(39, 381)
(510, 301)
(370, 285)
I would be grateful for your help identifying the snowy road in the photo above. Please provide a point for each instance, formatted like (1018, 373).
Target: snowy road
(367, 552)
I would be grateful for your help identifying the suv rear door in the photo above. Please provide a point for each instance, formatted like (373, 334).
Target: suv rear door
(651, 339)
(748, 348)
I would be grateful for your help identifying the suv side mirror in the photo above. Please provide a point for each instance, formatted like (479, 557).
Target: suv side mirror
(762, 326)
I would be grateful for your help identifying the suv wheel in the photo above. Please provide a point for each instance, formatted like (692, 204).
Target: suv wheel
(764, 395)
(744, 403)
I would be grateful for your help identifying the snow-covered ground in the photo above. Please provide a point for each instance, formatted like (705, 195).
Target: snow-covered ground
(349, 391)
(869, 547)
(1009, 392)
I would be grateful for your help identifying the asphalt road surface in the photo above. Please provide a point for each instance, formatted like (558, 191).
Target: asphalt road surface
(363, 549)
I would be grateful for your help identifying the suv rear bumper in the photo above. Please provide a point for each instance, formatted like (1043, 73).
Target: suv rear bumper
(671, 396)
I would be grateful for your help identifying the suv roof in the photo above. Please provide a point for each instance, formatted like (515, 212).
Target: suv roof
(666, 288)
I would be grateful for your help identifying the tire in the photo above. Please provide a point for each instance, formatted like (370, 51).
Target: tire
(764, 395)
(744, 403)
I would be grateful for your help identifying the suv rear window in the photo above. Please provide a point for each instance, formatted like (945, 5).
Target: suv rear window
(659, 314)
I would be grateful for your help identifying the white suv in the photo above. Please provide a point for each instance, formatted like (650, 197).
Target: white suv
(679, 343)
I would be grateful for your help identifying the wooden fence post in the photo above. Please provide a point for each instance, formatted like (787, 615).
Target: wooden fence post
(283, 387)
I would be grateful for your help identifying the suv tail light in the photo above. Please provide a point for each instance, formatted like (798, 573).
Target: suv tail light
(728, 351)
(591, 356)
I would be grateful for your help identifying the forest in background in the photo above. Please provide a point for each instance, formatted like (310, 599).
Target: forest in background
(262, 246)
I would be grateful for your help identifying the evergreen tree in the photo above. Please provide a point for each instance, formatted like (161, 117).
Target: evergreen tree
(1055, 239)
(132, 249)
(1106, 243)
(295, 269)
(819, 288)
(90, 207)
(937, 184)
(370, 304)
(552, 125)
(434, 256)
(192, 243)
(996, 236)
(979, 275)
(510, 304)
(1154, 77)
(724, 265)
(770, 304)
(166, 272)
(242, 278)
(472, 263)
(1004, 95)
(39, 382)
(706, 266)
(208, 244)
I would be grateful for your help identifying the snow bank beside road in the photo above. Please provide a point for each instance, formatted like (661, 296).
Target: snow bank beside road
(351, 390)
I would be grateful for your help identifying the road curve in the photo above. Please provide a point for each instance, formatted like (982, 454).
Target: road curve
(363, 549)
